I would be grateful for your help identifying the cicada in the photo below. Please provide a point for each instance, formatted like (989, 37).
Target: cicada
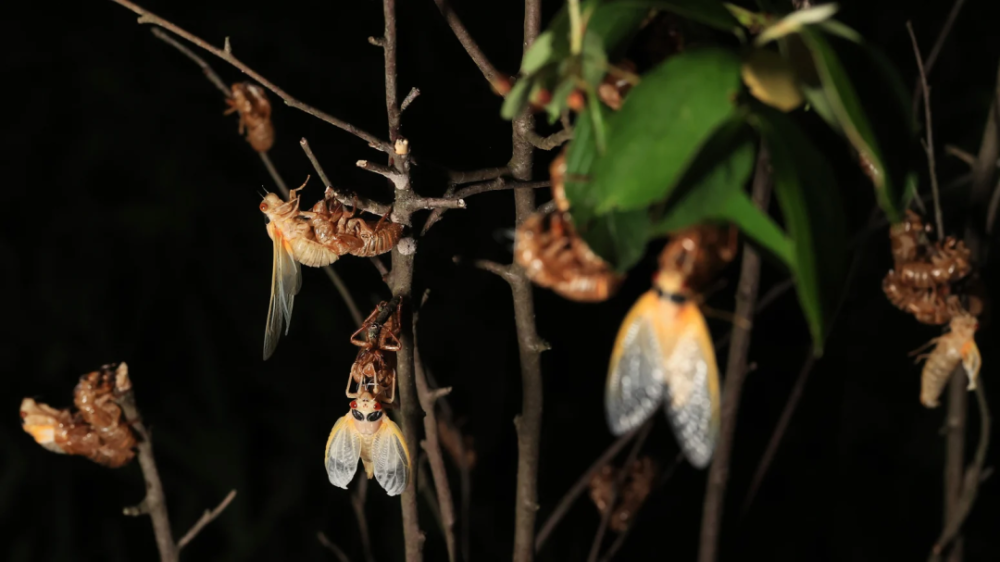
(367, 238)
(664, 353)
(554, 256)
(958, 345)
(250, 100)
(374, 368)
(367, 433)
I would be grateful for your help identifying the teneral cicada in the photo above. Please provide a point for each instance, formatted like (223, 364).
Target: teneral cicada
(958, 345)
(367, 433)
(554, 256)
(250, 100)
(664, 353)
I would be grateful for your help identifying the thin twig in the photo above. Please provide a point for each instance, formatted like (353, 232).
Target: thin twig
(280, 183)
(146, 16)
(499, 82)
(554, 140)
(595, 546)
(736, 369)
(622, 536)
(358, 499)
(562, 508)
(771, 296)
(328, 544)
(209, 73)
(459, 178)
(431, 445)
(206, 518)
(971, 481)
(929, 141)
(936, 49)
(346, 199)
(155, 502)
(414, 92)
(499, 184)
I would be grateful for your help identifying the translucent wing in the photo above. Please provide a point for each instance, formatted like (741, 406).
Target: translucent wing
(692, 386)
(391, 458)
(343, 448)
(286, 280)
(635, 376)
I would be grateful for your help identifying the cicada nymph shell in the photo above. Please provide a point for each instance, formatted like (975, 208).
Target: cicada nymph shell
(637, 486)
(250, 100)
(374, 237)
(663, 354)
(374, 369)
(958, 345)
(921, 281)
(615, 86)
(554, 256)
(366, 433)
(96, 430)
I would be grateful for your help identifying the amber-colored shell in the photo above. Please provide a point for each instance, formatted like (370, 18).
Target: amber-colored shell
(374, 237)
(555, 257)
(697, 253)
(250, 100)
(97, 430)
(638, 485)
(373, 370)
(557, 181)
(933, 305)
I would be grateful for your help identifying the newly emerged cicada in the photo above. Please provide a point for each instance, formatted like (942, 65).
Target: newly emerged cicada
(664, 353)
(958, 345)
(250, 100)
(554, 256)
(367, 433)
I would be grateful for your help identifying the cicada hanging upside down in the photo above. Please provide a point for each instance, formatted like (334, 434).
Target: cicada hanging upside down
(314, 238)
(250, 100)
(958, 345)
(664, 353)
(554, 256)
(367, 433)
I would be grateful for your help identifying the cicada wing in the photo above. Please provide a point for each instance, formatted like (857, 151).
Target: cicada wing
(286, 280)
(391, 458)
(635, 375)
(692, 387)
(343, 449)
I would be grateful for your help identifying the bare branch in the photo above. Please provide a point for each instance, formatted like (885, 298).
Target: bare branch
(155, 502)
(578, 488)
(459, 178)
(209, 73)
(427, 398)
(595, 546)
(358, 505)
(414, 92)
(554, 140)
(206, 518)
(929, 141)
(225, 54)
(736, 369)
(364, 204)
(328, 544)
(401, 181)
(498, 184)
(936, 50)
(345, 294)
(499, 82)
(505, 272)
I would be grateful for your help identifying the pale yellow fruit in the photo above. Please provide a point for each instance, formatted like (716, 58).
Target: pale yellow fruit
(771, 80)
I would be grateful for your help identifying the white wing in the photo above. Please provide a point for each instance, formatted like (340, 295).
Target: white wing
(391, 458)
(343, 449)
(286, 280)
(635, 377)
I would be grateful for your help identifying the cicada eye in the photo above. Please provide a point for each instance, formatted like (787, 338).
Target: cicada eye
(354, 404)
(375, 416)
(264, 207)
(378, 406)
(358, 415)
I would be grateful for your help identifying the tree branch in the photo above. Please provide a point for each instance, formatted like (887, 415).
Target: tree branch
(329, 545)
(499, 82)
(226, 54)
(459, 178)
(366, 205)
(736, 369)
(206, 518)
(430, 443)
(155, 502)
(548, 143)
(929, 141)
(918, 92)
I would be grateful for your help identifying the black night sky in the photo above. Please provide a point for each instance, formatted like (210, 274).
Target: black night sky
(130, 233)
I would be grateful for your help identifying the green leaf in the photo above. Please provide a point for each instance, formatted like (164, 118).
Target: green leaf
(810, 204)
(662, 124)
(713, 191)
(613, 22)
(580, 156)
(619, 237)
(517, 99)
(540, 53)
(850, 118)
(594, 61)
(709, 12)
(559, 95)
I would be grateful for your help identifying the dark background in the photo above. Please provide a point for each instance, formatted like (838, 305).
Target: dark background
(130, 233)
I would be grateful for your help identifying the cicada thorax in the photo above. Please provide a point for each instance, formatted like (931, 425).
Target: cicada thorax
(295, 229)
(250, 100)
(957, 346)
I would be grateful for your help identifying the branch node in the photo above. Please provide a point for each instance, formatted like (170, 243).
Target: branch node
(142, 508)
(439, 393)
(377, 41)
(402, 146)
(407, 246)
(227, 47)
(414, 92)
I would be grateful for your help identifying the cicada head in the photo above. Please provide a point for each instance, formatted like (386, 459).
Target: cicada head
(367, 413)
